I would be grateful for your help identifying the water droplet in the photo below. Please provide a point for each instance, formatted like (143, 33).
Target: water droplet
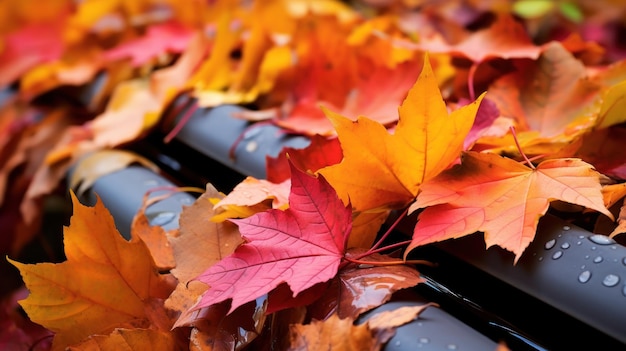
(581, 237)
(584, 276)
(452, 347)
(610, 280)
(583, 267)
(397, 343)
(624, 290)
(566, 227)
(598, 259)
(593, 248)
(601, 239)
(579, 243)
(565, 246)
(557, 255)
(549, 244)
(161, 218)
(423, 340)
(586, 257)
(624, 261)
(151, 182)
(540, 259)
(252, 146)
(419, 324)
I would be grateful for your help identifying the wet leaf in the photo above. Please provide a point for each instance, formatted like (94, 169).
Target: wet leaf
(360, 288)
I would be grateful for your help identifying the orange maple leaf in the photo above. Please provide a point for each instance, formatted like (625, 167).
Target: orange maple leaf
(383, 170)
(106, 282)
(502, 198)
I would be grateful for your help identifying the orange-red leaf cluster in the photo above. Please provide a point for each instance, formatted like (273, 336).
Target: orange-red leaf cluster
(476, 115)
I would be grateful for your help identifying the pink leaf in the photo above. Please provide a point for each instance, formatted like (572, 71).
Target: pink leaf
(301, 246)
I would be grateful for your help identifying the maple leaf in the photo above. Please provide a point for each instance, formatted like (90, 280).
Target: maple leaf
(336, 333)
(333, 334)
(388, 173)
(302, 246)
(502, 198)
(106, 281)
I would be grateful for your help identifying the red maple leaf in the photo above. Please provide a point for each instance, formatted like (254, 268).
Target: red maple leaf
(301, 246)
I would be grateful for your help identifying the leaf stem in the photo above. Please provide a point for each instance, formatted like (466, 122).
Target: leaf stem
(191, 107)
(388, 232)
(519, 148)
(384, 248)
(470, 80)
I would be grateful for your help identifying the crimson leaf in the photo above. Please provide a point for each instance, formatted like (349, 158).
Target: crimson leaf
(301, 246)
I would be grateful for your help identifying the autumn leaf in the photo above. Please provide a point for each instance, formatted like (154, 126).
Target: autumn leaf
(159, 39)
(505, 38)
(321, 152)
(336, 333)
(502, 198)
(103, 162)
(198, 245)
(129, 339)
(604, 149)
(358, 289)
(302, 246)
(548, 95)
(252, 191)
(387, 173)
(132, 105)
(28, 46)
(398, 317)
(106, 281)
(154, 236)
(217, 330)
(364, 99)
(78, 66)
(332, 334)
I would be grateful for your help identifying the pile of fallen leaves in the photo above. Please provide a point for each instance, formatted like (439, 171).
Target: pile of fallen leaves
(476, 116)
